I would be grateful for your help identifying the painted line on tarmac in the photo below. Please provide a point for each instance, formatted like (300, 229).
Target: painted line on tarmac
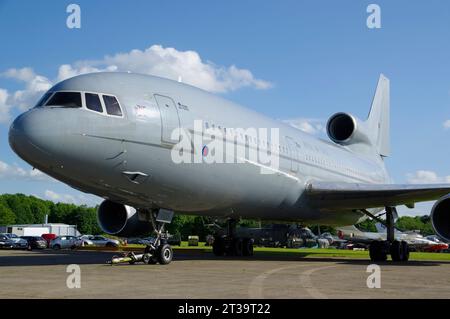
(305, 281)
(255, 289)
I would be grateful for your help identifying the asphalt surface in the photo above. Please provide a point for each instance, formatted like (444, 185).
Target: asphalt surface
(43, 274)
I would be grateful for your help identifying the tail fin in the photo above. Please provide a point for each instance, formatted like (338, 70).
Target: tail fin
(379, 117)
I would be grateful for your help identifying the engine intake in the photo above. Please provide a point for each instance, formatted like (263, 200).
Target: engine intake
(341, 127)
(120, 220)
(440, 218)
(346, 129)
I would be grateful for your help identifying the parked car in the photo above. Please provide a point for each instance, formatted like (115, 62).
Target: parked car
(48, 238)
(62, 242)
(85, 241)
(18, 243)
(100, 241)
(35, 242)
(5, 242)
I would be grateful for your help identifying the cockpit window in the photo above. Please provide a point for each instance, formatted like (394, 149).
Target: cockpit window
(93, 102)
(112, 105)
(65, 99)
(44, 99)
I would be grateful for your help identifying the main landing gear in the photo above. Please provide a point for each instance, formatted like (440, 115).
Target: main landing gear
(231, 245)
(378, 250)
(159, 251)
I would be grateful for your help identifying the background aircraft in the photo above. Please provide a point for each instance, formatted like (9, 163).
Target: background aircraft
(415, 241)
(112, 135)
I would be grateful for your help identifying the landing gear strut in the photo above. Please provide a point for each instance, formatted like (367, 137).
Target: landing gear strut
(378, 250)
(231, 245)
(159, 251)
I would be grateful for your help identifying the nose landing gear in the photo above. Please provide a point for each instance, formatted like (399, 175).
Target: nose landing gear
(159, 251)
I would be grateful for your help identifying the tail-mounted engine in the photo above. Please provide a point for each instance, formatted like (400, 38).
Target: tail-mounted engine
(346, 129)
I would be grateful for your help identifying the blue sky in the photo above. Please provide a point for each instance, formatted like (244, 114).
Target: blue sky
(305, 60)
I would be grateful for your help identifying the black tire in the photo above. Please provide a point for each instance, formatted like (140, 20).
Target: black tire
(405, 248)
(218, 246)
(110, 245)
(399, 251)
(56, 247)
(247, 247)
(164, 254)
(377, 251)
(238, 247)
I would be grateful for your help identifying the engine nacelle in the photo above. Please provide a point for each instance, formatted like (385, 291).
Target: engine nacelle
(120, 220)
(440, 218)
(346, 129)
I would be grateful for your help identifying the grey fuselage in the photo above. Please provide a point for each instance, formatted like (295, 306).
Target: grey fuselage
(125, 159)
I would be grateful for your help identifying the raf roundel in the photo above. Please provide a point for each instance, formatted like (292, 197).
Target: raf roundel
(205, 151)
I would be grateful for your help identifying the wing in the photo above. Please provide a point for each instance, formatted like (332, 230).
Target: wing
(360, 196)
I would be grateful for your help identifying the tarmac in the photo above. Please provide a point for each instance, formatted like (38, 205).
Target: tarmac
(43, 274)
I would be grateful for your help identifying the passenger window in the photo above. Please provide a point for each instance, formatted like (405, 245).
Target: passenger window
(44, 99)
(112, 105)
(93, 102)
(65, 99)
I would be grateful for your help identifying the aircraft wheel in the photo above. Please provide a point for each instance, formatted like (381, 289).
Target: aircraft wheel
(377, 251)
(218, 246)
(405, 250)
(238, 247)
(247, 247)
(399, 251)
(164, 254)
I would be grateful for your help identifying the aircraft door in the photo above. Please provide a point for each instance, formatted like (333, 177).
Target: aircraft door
(169, 118)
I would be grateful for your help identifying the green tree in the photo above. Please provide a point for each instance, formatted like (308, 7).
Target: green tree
(20, 206)
(368, 225)
(7, 217)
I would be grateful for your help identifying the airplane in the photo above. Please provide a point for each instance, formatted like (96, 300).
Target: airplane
(415, 241)
(120, 135)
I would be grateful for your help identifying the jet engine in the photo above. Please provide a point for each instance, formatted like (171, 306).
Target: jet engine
(440, 217)
(121, 220)
(346, 129)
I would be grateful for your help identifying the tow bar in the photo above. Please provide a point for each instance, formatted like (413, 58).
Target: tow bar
(132, 258)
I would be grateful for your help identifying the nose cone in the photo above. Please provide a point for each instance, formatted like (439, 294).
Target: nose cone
(28, 137)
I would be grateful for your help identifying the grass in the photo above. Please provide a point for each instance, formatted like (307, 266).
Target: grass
(315, 252)
(342, 253)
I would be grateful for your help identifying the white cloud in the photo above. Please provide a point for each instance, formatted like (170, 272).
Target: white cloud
(55, 197)
(310, 126)
(426, 177)
(173, 64)
(155, 60)
(4, 106)
(78, 199)
(447, 124)
(35, 86)
(8, 171)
